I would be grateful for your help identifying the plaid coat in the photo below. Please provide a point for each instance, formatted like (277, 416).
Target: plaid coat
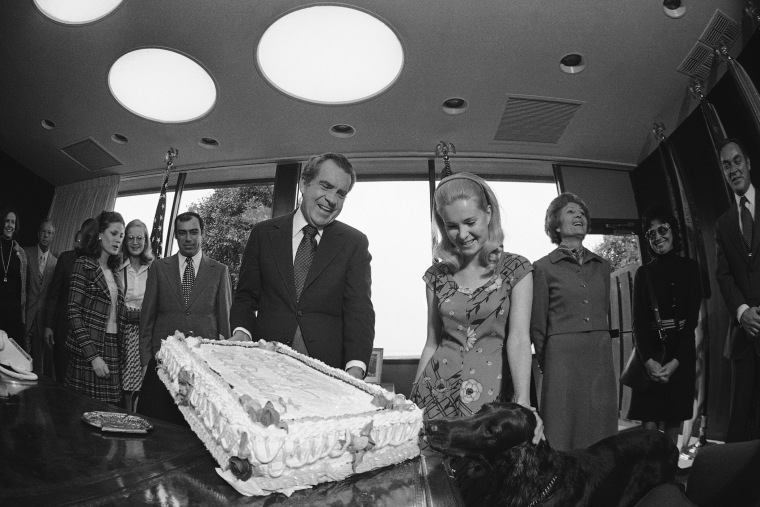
(88, 310)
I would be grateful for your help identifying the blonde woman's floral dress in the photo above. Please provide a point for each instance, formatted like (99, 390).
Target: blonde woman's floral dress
(468, 368)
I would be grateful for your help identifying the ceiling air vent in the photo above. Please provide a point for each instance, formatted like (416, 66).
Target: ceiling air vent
(698, 62)
(721, 30)
(535, 120)
(90, 155)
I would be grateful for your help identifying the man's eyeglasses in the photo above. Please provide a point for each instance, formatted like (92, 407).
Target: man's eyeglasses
(662, 230)
(138, 239)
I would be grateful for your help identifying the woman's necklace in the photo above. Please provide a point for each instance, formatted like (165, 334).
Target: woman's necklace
(8, 265)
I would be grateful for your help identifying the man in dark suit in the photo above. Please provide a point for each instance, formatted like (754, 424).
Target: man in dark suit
(320, 307)
(56, 320)
(189, 292)
(39, 273)
(738, 275)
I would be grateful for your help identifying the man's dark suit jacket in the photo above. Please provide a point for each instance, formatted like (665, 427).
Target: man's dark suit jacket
(56, 306)
(738, 275)
(164, 311)
(334, 312)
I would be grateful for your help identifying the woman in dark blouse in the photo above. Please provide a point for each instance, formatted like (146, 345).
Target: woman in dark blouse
(676, 284)
(12, 278)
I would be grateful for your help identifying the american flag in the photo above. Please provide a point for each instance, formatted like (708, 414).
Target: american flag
(156, 235)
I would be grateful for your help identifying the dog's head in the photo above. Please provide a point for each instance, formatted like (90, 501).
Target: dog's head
(495, 428)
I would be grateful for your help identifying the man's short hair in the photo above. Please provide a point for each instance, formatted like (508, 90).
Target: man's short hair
(311, 168)
(735, 141)
(186, 217)
(43, 222)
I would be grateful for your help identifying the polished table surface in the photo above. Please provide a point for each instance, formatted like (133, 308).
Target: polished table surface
(48, 456)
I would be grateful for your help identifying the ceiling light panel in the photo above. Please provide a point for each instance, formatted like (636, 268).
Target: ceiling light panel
(162, 85)
(330, 54)
(76, 12)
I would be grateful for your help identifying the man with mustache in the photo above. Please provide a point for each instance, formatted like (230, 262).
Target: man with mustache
(738, 274)
(305, 277)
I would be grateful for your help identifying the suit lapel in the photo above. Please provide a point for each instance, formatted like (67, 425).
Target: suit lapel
(281, 242)
(331, 243)
(735, 232)
(34, 267)
(100, 280)
(175, 282)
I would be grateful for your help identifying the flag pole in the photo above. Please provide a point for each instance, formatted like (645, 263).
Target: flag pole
(156, 235)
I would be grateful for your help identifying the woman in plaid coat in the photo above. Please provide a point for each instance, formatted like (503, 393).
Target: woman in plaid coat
(96, 311)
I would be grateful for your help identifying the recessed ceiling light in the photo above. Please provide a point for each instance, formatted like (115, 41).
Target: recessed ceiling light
(342, 130)
(48, 124)
(329, 54)
(572, 63)
(673, 8)
(119, 139)
(209, 143)
(76, 12)
(162, 85)
(455, 105)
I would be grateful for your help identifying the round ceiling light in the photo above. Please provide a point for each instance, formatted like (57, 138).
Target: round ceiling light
(119, 139)
(454, 106)
(330, 55)
(76, 12)
(572, 63)
(208, 142)
(162, 85)
(342, 130)
(673, 8)
(48, 124)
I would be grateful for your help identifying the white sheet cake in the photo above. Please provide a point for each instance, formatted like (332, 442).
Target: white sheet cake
(278, 421)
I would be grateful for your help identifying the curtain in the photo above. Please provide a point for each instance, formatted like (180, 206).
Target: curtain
(692, 244)
(74, 203)
(744, 84)
(714, 128)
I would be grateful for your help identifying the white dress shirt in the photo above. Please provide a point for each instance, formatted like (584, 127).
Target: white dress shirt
(43, 257)
(135, 283)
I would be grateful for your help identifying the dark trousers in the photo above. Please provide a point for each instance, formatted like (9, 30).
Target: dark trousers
(156, 401)
(60, 353)
(744, 422)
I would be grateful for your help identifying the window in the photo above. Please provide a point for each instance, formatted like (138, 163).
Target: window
(228, 213)
(395, 216)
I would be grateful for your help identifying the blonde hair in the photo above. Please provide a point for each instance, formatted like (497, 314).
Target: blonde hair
(467, 186)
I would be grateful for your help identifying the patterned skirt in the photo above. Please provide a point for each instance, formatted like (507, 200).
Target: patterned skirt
(131, 370)
(81, 376)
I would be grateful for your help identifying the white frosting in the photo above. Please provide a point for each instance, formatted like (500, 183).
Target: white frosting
(298, 392)
(332, 428)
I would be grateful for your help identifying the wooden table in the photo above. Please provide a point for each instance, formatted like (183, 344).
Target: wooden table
(48, 456)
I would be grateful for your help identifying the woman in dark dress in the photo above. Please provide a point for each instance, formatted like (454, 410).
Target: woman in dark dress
(676, 284)
(12, 278)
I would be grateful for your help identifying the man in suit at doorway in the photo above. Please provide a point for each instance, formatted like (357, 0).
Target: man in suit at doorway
(189, 292)
(738, 275)
(305, 277)
(39, 274)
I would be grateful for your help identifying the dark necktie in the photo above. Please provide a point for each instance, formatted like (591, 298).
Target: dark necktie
(304, 256)
(747, 222)
(188, 279)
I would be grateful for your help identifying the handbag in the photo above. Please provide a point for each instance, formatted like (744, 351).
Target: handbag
(635, 374)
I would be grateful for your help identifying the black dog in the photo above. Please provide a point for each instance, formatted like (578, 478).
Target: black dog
(618, 470)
